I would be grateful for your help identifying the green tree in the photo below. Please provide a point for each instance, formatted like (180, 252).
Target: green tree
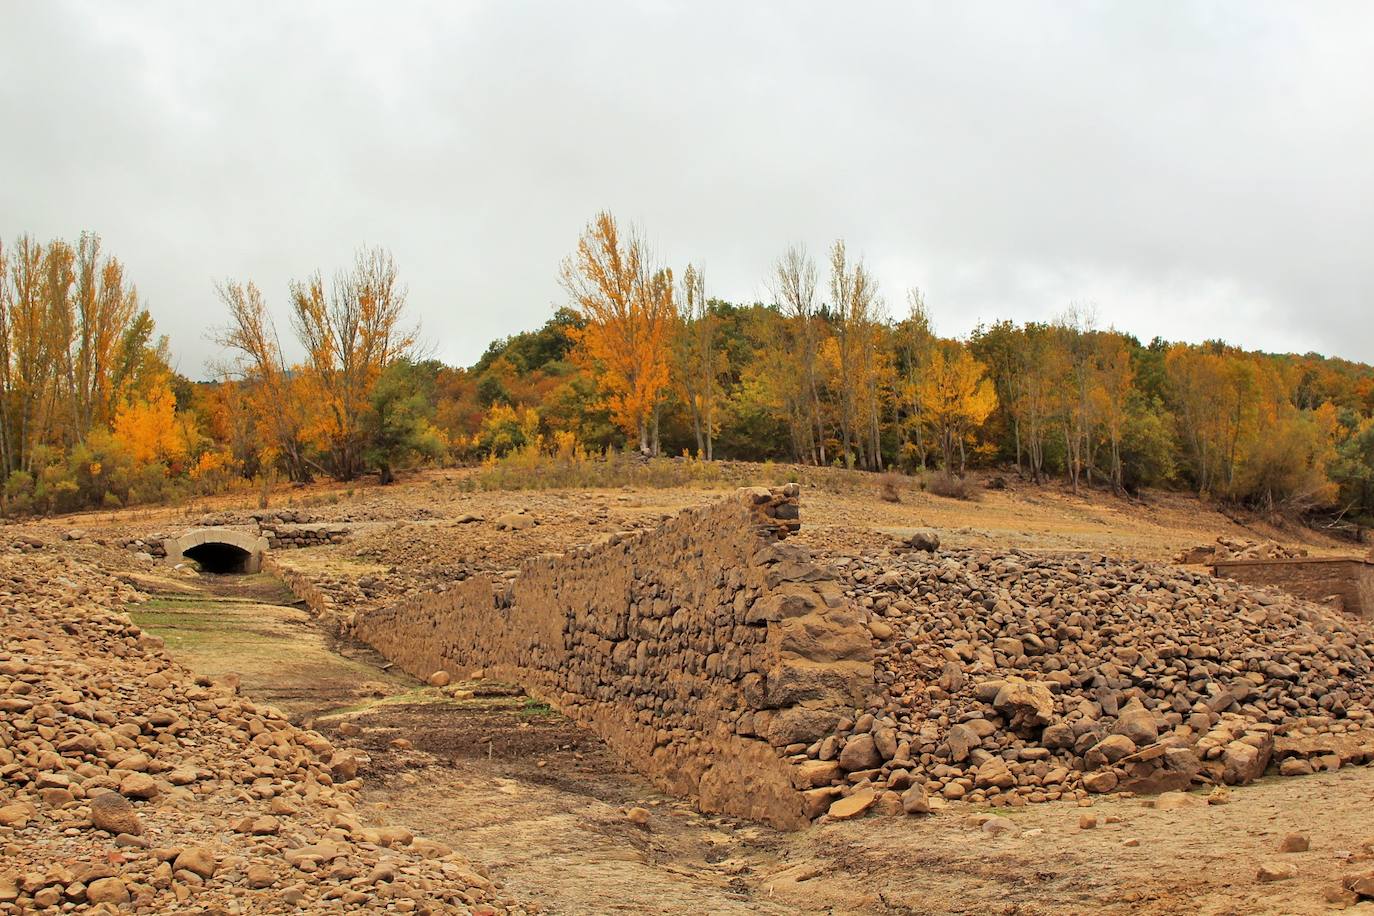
(398, 427)
(1353, 469)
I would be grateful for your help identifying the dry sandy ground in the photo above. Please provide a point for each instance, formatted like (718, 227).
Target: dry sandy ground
(836, 505)
(542, 803)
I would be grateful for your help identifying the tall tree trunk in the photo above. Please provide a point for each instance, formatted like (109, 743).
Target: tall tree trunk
(710, 451)
(820, 424)
(696, 428)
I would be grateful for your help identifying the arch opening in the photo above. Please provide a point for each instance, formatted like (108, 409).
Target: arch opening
(220, 558)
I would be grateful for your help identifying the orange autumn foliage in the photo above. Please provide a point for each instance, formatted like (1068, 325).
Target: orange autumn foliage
(149, 429)
(955, 397)
(350, 336)
(629, 307)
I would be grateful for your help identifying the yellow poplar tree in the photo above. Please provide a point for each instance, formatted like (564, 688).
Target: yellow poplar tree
(629, 308)
(148, 427)
(955, 396)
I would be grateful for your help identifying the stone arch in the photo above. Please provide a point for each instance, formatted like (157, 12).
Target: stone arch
(221, 550)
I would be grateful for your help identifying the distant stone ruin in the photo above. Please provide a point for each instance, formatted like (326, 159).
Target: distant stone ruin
(1347, 582)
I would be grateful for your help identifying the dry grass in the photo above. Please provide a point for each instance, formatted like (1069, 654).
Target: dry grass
(533, 470)
(951, 486)
(890, 487)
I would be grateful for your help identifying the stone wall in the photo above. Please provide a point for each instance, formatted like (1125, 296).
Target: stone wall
(1350, 579)
(302, 586)
(285, 537)
(707, 652)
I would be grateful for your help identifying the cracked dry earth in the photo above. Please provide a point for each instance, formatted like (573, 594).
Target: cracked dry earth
(542, 805)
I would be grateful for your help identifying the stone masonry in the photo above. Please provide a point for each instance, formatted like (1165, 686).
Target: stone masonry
(706, 651)
(1347, 579)
(286, 537)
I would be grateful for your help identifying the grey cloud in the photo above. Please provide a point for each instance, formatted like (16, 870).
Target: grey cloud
(1196, 170)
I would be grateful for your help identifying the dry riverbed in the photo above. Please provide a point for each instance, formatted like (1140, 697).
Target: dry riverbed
(541, 803)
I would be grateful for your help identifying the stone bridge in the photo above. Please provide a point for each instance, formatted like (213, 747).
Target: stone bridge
(218, 550)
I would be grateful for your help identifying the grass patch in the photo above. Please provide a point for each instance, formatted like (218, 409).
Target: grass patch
(188, 602)
(422, 695)
(533, 707)
(168, 618)
(201, 633)
(412, 697)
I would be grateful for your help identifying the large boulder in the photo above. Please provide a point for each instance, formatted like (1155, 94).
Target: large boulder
(916, 800)
(1244, 762)
(1025, 703)
(995, 772)
(1137, 723)
(853, 806)
(113, 813)
(1109, 750)
(925, 539)
(814, 774)
(860, 753)
(800, 725)
(515, 521)
(961, 740)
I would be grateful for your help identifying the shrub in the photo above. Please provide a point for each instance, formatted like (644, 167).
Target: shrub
(952, 486)
(532, 467)
(890, 487)
(19, 489)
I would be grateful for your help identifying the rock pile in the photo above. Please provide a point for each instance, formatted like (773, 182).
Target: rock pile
(1015, 678)
(273, 518)
(124, 780)
(1229, 548)
(428, 558)
(25, 543)
(152, 544)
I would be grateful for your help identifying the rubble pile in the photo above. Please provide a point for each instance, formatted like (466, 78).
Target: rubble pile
(430, 558)
(1008, 678)
(150, 545)
(124, 781)
(1229, 548)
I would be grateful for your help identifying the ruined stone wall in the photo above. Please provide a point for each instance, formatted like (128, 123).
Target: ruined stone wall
(301, 585)
(707, 651)
(285, 537)
(1316, 579)
(1364, 584)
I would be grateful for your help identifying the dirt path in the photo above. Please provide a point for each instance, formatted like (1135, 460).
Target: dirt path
(250, 626)
(542, 804)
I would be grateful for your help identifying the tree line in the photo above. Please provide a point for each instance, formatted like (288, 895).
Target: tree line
(87, 399)
(643, 357)
(823, 374)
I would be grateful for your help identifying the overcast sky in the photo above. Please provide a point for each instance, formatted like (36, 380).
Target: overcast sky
(1192, 170)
